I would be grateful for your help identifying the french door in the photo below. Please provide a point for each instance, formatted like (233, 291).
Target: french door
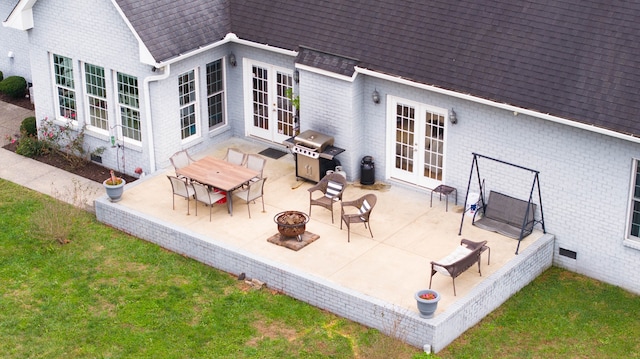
(416, 134)
(269, 113)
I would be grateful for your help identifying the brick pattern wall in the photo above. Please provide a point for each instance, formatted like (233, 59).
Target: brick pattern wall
(390, 319)
(15, 41)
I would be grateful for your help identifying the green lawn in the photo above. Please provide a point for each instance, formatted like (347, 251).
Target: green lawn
(105, 294)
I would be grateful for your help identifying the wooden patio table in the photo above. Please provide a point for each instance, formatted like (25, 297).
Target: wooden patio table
(218, 174)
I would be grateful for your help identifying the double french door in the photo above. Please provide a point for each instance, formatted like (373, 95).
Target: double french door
(269, 113)
(416, 135)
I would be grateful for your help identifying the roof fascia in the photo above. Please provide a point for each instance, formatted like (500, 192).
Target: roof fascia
(143, 51)
(516, 110)
(21, 17)
(230, 37)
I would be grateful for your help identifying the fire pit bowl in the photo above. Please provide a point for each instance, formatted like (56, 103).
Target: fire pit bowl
(291, 224)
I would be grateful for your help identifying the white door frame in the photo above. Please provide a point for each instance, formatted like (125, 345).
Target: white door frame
(275, 106)
(419, 159)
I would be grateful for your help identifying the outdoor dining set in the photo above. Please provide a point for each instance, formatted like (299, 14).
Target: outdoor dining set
(212, 180)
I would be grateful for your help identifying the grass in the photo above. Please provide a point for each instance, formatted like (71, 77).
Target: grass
(89, 291)
(559, 315)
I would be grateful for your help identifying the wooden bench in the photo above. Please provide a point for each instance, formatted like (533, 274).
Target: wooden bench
(458, 261)
(507, 215)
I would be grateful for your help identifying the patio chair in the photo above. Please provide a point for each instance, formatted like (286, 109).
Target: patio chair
(458, 261)
(332, 187)
(181, 159)
(256, 163)
(235, 156)
(206, 196)
(364, 205)
(181, 188)
(253, 192)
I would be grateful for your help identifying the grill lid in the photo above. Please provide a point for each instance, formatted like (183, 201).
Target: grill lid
(313, 139)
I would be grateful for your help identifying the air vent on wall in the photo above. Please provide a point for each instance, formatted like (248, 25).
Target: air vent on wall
(568, 253)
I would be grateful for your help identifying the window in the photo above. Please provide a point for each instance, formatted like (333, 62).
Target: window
(129, 103)
(634, 222)
(63, 70)
(215, 94)
(187, 93)
(96, 96)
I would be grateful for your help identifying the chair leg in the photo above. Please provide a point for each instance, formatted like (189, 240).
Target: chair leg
(454, 286)
(249, 208)
(430, 279)
(369, 229)
(262, 199)
(331, 213)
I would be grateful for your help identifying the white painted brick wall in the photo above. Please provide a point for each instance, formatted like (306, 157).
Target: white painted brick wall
(15, 41)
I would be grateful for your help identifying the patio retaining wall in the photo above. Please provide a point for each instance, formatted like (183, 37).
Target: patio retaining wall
(437, 332)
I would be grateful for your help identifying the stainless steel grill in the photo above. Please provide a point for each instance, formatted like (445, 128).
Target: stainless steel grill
(314, 153)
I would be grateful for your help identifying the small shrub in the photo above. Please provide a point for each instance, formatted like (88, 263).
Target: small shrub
(28, 127)
(1, 76)
(14, 86)
(29, 146)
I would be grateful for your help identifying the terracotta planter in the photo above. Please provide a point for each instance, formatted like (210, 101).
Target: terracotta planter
(427, 307)
(114, 191)
(291, 224)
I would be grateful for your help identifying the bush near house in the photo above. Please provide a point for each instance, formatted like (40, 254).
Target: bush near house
(14, 86)
(1, 76)
(28, 126)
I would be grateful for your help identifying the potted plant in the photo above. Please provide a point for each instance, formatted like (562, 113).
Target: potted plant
(427, 300)
(114, 187)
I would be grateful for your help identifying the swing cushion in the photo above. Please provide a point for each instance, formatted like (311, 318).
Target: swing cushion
(506, 215)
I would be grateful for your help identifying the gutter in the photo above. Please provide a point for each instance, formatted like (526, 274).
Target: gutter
(147, 107)
(516, 110)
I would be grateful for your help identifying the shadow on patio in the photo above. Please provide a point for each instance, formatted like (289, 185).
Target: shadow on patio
(385, 270)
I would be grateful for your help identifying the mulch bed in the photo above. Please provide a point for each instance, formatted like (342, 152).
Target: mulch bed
(89, 170)
(23, 102)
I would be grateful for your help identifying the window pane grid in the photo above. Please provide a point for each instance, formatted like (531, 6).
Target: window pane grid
(96, 93)
(187, 97)
(129, 104)
(63, 70)
(215, 91)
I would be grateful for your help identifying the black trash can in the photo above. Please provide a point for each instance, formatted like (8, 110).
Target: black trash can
(367, 171)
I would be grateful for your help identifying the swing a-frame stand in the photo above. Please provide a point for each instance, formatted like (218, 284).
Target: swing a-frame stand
(501, 213)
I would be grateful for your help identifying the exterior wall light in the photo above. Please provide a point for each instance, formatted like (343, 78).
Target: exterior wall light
(375, 96)
(296, 76)
(452, 117)
(232, 60)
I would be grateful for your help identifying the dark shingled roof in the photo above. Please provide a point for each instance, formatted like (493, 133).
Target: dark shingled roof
(576, 59)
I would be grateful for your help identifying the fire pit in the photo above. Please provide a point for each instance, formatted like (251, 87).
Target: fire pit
(291, 224)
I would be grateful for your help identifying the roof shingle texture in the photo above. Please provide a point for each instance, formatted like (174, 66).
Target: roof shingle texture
(576, 59)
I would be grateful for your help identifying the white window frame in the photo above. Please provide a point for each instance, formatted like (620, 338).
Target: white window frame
(188, 101)
(128, 102)
(69, 113)
(221, 93)
(91, 96)
(632, 240)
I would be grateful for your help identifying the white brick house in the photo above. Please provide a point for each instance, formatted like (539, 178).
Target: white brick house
(169, 75)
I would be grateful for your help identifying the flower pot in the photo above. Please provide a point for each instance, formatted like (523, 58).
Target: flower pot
(114, 191)
(427, 307)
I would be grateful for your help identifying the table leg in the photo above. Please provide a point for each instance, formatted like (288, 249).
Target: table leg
(229, 203)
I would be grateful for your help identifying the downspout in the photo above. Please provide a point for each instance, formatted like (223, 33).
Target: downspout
(147, 107)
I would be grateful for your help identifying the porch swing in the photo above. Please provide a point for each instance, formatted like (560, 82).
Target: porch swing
(501, 213)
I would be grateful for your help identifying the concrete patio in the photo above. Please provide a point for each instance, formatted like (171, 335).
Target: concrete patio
(370, 280)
